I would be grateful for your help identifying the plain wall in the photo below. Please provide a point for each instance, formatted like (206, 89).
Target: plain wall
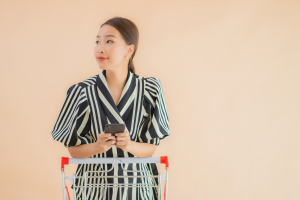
(230, 72)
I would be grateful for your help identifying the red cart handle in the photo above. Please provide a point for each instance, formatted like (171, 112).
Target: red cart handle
(64, 161)
(164, 159)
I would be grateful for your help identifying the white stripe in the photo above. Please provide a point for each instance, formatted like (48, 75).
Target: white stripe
(110, 108)
(126, 87)
(131, 98)
(95, 122)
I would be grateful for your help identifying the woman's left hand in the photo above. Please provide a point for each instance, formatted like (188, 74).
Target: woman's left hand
(123, 141)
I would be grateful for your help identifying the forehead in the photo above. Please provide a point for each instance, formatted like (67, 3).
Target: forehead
(108, 31)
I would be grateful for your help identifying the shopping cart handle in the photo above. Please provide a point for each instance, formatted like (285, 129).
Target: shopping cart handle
(164, 159)
(66, 160)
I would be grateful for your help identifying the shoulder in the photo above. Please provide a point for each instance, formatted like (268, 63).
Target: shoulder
(153, 90)
(88, 82)
(82, 84)
(153, 84)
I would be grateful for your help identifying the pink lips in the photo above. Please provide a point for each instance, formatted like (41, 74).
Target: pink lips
(101, 58)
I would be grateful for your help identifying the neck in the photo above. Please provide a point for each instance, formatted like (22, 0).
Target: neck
(116, 78)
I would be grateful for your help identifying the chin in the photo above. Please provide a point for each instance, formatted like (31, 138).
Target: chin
(103, 67)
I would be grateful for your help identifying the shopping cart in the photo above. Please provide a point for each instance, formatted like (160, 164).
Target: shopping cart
(162, 159)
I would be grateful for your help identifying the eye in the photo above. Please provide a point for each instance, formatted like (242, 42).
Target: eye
(98, 41)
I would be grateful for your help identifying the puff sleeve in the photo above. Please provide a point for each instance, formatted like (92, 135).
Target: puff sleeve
(156, 122)
(72, 126)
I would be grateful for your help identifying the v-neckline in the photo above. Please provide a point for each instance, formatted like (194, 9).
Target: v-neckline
(122, 92)
(112, 96)
(117, 113)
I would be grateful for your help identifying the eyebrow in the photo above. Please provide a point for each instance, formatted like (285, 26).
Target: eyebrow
(106, 36)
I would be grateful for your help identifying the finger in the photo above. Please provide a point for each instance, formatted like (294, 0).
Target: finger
(104, 135)
(120, 143)
(121, 134)
(111, 142)
(107, 142)
(122, 138)
(125, 133)
(112, 137)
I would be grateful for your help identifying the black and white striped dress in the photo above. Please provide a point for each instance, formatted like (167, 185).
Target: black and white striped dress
(89, 106)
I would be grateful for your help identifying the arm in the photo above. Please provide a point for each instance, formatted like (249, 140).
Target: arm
(138, 149)
(141, 149)
(88, 150)
(83, 151)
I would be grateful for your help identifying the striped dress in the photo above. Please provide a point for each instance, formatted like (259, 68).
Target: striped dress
(89, 106)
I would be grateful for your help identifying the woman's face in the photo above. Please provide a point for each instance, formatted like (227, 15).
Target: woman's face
(111, 45)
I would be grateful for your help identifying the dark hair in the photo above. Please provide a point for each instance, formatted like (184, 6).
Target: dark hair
(129, 32)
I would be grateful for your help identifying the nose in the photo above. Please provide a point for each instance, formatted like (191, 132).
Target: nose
(99, 48)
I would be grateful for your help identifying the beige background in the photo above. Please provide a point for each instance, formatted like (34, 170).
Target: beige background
(230, 72)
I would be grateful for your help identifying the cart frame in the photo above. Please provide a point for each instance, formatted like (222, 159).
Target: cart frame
(121, 160)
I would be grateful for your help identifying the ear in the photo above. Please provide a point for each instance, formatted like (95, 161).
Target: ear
(131, 50)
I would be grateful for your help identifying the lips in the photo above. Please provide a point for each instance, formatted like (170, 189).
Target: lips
(101, 58)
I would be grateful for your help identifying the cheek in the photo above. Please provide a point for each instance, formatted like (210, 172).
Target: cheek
(115, 54)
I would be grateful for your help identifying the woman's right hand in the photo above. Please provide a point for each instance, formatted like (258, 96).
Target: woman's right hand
(102, 144)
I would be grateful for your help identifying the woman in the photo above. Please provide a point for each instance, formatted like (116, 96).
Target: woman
(116, 95)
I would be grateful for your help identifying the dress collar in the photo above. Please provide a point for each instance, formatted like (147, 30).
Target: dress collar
(117, 113)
